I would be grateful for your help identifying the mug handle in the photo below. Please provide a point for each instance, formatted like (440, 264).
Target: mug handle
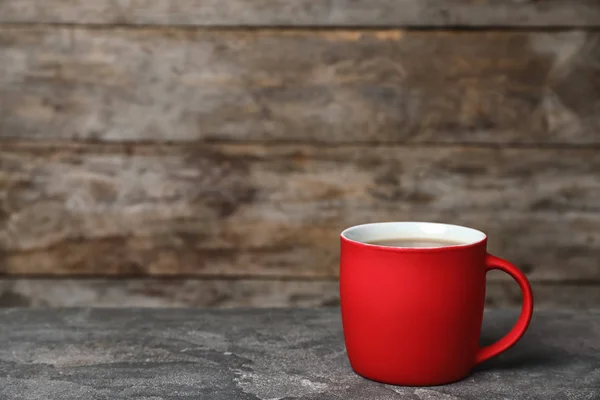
(493, 262)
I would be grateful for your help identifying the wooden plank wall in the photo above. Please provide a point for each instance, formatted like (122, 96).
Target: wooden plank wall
(207, 153)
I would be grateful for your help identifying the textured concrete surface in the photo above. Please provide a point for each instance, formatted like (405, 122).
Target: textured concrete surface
(266, 354)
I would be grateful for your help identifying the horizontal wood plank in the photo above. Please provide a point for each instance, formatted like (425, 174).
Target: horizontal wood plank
(219, 293)
(348, 86)
(409, 13)
(276, 211)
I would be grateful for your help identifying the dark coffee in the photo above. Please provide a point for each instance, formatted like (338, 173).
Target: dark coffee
(415, 242)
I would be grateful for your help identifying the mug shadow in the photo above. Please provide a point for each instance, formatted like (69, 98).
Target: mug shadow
(516, 361)
(530, 352)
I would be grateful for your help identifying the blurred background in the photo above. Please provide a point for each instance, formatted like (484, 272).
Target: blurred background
(207, 153)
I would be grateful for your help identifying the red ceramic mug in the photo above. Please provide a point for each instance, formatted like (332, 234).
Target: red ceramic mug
(412, 316)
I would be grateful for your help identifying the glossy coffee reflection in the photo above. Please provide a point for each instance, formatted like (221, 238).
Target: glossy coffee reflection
(414, 242)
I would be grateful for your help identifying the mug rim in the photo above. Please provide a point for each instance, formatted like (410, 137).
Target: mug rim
(433, 227)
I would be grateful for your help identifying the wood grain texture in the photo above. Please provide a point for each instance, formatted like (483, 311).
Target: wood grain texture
(219, 293)
(348, 86)
(276, 211)
(417, 13)
(213, 293)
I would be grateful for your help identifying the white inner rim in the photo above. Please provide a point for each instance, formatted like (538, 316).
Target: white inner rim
(413, 230)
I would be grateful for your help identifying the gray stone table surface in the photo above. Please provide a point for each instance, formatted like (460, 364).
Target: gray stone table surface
(266, 354)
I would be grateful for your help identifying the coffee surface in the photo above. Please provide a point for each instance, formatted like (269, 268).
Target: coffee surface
(415, 242)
